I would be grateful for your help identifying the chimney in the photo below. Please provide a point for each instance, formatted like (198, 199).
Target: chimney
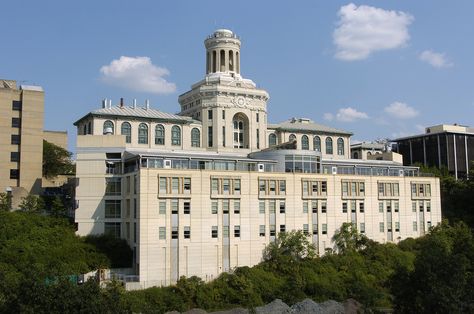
(134, 103)
(110, 103)
(104, 103)
(121, 102)
(147, 104)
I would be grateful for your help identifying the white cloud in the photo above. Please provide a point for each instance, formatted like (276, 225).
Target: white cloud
(350, 114)
(138, 74)
(401, 110)
(363, 30)
(328, 116)
(435, 59)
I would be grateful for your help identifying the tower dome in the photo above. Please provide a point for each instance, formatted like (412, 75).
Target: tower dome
(222, 52)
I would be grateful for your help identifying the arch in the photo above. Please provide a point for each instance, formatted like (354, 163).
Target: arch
(159, 134)
(195, 137)
(329, 146)
(317, 143)
(240, 123)
(175, 135)
(237, 62)
(231, 60)
(340, 146)
(305, 142)
(126, 129)
(356, 155)
(222, 61)
(272, 139)
(214, 61)
(108, 127)
(292, 138)
(143, 133)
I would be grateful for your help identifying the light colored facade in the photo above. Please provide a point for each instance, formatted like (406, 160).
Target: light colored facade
(204, 191)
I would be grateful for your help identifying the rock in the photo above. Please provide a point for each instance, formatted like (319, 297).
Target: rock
(238, 310)
(277, 306)
(307, 306)
(332, 307)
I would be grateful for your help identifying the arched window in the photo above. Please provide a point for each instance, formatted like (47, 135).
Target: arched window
(237, 62)
(304, 142)
(214, 61)
(328, 145)
(108, 127)
(175, 135)
(238, 123)
(340, 146)
(126, 129)
(292, 138)
(356, 155)
(159, 134)
(222, 63)
(143, 133)
(317, 143)
(85, 129)
(195, 138)
(272, 140)
(231, 60)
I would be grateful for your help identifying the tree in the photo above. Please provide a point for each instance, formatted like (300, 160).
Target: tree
(57, 207)
(5, 201)
(31, 203)
(56, 160)
(348, 239)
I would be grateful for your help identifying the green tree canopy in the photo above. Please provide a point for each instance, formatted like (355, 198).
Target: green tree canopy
(56, 160)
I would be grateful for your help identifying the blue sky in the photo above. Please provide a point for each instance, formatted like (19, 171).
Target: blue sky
(376, 68)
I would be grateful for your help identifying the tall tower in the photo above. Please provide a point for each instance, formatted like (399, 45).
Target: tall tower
(233, 111)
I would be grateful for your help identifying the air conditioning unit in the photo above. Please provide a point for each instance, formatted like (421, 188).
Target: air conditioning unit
(167, 163)
(261, 167)
(334, 170)
(401, 172)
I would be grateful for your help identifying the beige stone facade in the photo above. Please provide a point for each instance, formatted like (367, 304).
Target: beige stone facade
(204, 202)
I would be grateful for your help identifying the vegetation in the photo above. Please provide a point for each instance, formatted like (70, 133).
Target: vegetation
(56, 160)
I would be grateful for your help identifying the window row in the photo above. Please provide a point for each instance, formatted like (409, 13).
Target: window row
(174, 185)
(389, 227)
(353, 188)
(387, 206)
(225, 186)
(353, 206)
(420, 190)
(272, 141)
(314, 188)
(315, 206)
(271, 187)
(271, 205)
(175, 205)
(388, 189)
(126, 129)
(421, 206)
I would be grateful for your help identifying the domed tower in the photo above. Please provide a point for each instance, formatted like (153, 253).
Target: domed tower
(233, 111)
(222, 52)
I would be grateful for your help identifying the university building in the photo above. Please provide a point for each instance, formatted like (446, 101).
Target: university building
(204, 191)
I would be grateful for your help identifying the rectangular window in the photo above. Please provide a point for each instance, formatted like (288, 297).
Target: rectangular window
(187, 232)
(209, 136)
(428, 224)
(236, 207)
(261, 207)
(174, 206)
(397, 227)
(236, 186)
(257, 117)
(282, 228)
(344, 188)
(14, 173)
(396, 206)
(225, 206)
(381, 189)
(324, 187)
(305, 207)
(381, 227)
(396, 189)
(135, 184)
(305, 188)
(187, 185)
(389, 206)
(261, 186)
(415, 226)
(421, 206)
(162, 233)
(14, 156)
(16, 105)
(361, 188)
(135, 208)
(112, 209)
(223, 114)
(16, 122)
(362, 227)
(305, 229)
(314, 207)
(113, 186)
(262, 230)
(361, 207)
(323, 207)
(162, 207)
(282, 187)
(324, 229)
(380, 207)
(209, 114)
(175, 185)
(258, 138)
(15, 139)
(214, 231)
(272, 230)
(272, 206)
(214, 207)
(225, 231)
(353, 206)
(353, 188)
(344, 207)
(113, 229)
(226, 186)
(127, 208)
(236, 231)
(413, 207)
(187, 207)
(315, 228)
(215, 186)
(127, 182)
(428, 206)
(282, 207)
(135, 231)
(314, 187)
(223, 136)
(174, 233)
(272, 186)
